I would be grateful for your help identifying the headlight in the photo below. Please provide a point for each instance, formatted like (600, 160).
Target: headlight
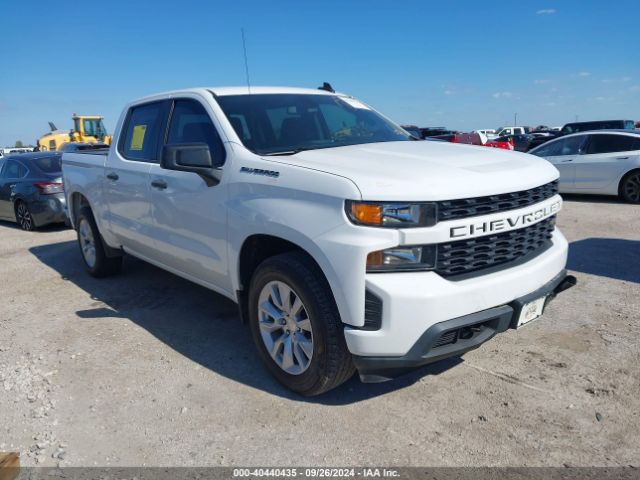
(392, 215)
(403, 258)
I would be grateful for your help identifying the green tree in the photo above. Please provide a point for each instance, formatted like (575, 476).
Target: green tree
(19, 144)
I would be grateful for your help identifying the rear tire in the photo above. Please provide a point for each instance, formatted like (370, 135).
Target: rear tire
(630, 187)
(92, 247)
(299, 337)
(24, 217)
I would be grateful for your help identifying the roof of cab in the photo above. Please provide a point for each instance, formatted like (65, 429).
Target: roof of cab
(224, 91)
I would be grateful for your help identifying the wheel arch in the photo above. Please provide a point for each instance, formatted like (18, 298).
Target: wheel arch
(258, 247)
(76, 201)
(625, 176)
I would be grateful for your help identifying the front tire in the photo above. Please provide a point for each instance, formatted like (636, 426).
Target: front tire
(92, 247)
(296, 326)
(630, 187)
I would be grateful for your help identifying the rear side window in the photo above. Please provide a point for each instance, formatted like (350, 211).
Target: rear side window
(190, 123)
(49, 164)
(143, 132)
(14, 169)
(610, 144)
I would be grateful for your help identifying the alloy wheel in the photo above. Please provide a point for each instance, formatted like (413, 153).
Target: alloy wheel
(87, 243)
(24, 217)
(285, 327)
(632, 188)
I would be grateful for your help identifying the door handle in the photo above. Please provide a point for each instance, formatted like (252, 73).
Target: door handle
(113, 176)
(567, 161)
(160, 184)
(622, 158)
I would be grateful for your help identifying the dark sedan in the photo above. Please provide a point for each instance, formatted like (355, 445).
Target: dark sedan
(31, 189)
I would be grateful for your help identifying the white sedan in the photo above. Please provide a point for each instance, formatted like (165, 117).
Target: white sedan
(604, 162)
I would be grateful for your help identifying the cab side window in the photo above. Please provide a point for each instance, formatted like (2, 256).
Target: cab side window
(142, 132)
(190, 123)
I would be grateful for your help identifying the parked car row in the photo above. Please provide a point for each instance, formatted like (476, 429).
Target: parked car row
(599, 157)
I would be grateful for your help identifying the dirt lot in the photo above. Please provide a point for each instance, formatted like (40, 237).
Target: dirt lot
(149, 369)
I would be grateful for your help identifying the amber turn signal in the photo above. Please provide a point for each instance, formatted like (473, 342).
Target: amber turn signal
(367, 213)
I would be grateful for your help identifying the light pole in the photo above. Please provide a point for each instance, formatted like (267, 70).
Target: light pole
(515, 119)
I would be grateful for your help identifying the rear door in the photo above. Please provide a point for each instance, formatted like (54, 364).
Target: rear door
(607, 156)
(126, 180)
(190, 216)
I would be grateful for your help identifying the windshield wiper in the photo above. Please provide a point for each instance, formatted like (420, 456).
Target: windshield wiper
(288, 152)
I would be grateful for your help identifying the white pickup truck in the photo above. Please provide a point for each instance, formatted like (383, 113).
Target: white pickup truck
(347, 243)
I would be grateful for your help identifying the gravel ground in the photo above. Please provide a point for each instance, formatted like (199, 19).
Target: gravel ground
(148, 369)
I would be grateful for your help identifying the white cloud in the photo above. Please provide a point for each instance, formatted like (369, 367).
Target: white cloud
(634, 88)
(449, 92)
(502, 95)
(616, 80)
(546, 11)
(541, 82)
(584, 74)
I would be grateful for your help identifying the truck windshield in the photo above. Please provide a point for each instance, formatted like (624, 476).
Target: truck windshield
(281, 124)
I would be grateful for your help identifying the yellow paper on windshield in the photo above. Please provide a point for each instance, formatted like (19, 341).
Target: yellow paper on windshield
(137, 140)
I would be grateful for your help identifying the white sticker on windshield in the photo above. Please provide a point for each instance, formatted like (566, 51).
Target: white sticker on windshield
(355, 103)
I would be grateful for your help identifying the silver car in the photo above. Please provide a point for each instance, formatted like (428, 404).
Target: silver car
(602, 162)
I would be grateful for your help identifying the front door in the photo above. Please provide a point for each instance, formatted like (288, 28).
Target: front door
(190, 215)
(563, 154)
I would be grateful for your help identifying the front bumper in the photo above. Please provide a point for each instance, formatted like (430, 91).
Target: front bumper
(412, 302)
(458, 335)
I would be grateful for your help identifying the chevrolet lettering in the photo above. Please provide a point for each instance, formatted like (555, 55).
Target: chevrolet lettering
(506, 223)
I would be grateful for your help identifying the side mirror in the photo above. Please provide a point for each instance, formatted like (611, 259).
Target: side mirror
(191, 157)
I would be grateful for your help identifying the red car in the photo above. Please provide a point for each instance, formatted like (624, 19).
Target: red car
(506, 145)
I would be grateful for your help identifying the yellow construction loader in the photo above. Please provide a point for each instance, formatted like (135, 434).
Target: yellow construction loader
(86, 129)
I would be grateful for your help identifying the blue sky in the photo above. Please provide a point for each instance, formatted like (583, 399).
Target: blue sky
(463, 64)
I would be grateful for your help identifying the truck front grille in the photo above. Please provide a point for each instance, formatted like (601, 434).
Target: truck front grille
(467, 256)
(472, 207)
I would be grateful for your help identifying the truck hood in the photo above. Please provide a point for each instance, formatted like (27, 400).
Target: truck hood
(425, 170)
